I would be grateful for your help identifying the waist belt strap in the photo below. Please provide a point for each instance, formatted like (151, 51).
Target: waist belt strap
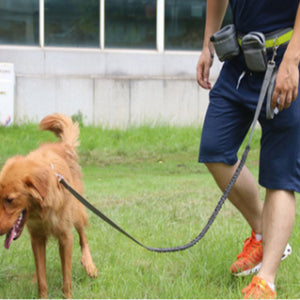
(275, 38)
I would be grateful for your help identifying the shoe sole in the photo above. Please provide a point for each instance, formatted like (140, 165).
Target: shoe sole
(287, 252)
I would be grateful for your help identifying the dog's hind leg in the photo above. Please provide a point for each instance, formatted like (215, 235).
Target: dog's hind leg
(86, 257)
(39, 252)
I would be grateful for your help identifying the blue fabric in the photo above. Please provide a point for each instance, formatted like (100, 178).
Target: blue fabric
(263, 15)
(228, 119)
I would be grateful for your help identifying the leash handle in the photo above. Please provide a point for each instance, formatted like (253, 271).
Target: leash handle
(265, 85)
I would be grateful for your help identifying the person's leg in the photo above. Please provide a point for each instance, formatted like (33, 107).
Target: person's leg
(279, 173)
(226, 124)
(244, 194)
(278, 220)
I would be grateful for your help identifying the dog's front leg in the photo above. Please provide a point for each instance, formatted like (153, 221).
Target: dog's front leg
(65, 251)
(39, 251)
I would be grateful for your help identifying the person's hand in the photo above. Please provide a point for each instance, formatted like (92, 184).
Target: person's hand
(204, 63)
(286, 87)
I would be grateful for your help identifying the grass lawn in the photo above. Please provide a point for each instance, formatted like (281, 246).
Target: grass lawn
(149, 182)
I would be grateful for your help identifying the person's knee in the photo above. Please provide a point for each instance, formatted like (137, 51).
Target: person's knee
(279, 194)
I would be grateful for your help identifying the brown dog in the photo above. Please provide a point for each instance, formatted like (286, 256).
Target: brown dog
(30, 193)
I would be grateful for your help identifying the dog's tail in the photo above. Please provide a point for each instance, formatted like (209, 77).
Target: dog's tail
(63, 127)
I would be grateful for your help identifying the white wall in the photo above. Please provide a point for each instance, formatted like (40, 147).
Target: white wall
(113, 88)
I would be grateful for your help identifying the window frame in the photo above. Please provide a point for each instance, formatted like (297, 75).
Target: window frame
(160, 26)
(160, 31)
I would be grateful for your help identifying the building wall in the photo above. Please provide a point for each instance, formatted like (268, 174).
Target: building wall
(73, 57)
(111, 88)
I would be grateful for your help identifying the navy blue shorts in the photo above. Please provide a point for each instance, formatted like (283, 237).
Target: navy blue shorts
(229, 117)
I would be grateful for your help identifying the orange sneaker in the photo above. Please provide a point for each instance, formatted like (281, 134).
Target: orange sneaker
(258, 289)
(249, 260)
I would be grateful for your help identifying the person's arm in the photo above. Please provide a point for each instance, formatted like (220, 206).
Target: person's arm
(215, 12)
(287, 81)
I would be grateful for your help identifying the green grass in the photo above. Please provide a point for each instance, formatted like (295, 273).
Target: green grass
(148, 181)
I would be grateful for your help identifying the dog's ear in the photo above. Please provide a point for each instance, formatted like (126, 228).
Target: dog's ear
(37, 183)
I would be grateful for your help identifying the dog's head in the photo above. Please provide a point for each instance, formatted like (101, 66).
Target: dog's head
(23, 188)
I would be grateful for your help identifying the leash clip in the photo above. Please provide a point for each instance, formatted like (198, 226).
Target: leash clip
(59, 177)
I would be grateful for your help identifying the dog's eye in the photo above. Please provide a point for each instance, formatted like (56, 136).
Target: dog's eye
(9, 200)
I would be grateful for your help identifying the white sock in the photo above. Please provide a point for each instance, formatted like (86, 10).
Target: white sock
(271, 285)
(258, 237)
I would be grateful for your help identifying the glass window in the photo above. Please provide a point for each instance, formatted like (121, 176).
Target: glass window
(130, 24)
(73, 23)
(19, 22)
(184, 24)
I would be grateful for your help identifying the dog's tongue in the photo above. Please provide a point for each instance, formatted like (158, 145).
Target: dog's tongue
(9, 237)
(15, 231)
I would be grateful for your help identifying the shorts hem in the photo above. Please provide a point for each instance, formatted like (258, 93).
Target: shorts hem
(227, 161)
(280, 186)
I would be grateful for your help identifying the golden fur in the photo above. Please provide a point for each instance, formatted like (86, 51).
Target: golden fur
(30, 193)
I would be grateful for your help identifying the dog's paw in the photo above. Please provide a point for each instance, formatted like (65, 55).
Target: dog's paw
(91, 270)
(89, 267)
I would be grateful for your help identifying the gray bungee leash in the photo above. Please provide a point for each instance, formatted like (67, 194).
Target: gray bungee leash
(265, 87)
